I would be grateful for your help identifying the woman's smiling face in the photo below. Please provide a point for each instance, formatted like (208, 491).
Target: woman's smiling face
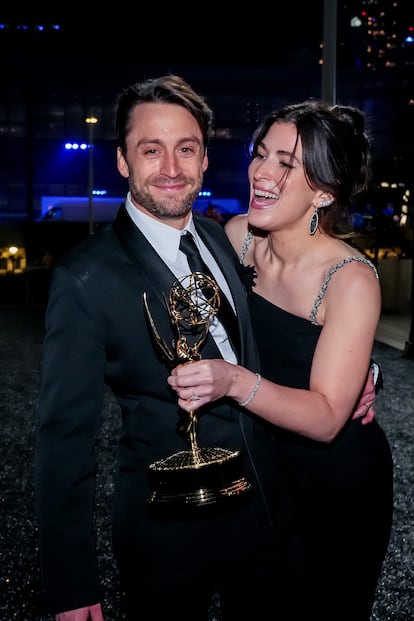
(280, 195)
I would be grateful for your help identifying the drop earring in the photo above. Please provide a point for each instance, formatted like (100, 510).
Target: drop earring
(314, 222)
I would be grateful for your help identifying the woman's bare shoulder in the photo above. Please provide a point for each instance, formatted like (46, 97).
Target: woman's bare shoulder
(236, 229)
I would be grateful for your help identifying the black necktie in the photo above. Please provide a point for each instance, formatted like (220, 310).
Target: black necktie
(225, 313)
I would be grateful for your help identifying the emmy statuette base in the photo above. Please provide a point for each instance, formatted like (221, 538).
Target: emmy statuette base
(197, 478)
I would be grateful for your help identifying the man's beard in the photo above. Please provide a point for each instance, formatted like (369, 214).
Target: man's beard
(169, 207)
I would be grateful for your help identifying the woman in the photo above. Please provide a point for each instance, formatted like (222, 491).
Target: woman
(315, 308)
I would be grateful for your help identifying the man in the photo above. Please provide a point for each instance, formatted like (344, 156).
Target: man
(97, 334)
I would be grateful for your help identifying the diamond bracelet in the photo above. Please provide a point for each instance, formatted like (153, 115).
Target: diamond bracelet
(254, 391)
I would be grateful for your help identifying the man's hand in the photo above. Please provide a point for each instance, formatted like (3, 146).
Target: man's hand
(89, 613)
(365, 408)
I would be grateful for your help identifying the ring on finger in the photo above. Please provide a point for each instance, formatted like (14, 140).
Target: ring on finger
(366, 411)
(194, 397)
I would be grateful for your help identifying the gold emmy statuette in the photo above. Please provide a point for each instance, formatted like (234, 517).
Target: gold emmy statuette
(199, 476)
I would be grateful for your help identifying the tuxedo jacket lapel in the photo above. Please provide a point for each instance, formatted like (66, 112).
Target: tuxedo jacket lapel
(156, 276)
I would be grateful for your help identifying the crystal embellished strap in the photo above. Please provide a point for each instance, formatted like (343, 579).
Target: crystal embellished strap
(335, 268)
(245, 247)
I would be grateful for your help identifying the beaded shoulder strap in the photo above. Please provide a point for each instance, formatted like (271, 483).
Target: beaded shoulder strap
(245, 247)
(335, 268)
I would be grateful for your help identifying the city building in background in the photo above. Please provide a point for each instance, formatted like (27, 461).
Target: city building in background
(376, 34)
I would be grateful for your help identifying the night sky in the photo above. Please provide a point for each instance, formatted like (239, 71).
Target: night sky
(215, 32)
(268, 34)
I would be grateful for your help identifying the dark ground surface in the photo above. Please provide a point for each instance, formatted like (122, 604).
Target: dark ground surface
(21, 336)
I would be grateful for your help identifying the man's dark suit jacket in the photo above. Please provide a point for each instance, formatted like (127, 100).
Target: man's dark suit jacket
(96, 336)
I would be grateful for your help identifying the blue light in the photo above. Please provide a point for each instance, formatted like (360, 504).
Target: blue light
(27, 27)
(75, 146)
(409, 39)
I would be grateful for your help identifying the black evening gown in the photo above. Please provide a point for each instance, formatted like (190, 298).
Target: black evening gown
(344, 489)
